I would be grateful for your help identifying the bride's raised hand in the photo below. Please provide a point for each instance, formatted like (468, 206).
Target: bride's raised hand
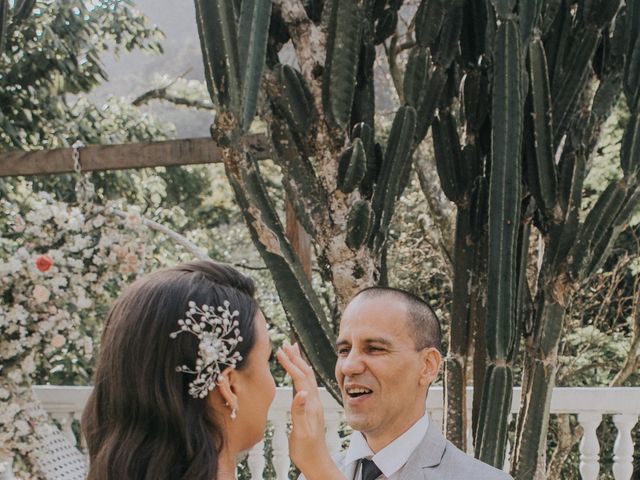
(307, 445)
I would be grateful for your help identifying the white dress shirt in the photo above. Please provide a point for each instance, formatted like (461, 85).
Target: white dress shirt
(392, 457)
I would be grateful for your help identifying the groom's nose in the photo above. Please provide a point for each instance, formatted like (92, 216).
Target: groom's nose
(352, 364)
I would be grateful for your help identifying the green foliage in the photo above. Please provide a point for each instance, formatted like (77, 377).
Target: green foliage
(55, 52)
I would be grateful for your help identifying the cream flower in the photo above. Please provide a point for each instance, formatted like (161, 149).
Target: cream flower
(58, 341)
(41, 294)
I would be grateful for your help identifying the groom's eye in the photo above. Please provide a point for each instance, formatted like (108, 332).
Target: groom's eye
(343, 351)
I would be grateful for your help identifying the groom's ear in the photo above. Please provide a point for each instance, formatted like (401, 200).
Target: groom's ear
(431, 361)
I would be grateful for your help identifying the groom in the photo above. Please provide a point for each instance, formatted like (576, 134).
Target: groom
(388, 356)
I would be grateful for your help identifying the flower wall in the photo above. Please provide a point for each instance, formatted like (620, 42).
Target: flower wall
(61, 266)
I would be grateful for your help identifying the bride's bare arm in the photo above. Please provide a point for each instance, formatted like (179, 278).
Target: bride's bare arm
(307, 445)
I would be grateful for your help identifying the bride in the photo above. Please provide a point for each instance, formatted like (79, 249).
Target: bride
(183, 386)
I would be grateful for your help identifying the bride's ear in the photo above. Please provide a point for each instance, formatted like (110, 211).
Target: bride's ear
(226, 387)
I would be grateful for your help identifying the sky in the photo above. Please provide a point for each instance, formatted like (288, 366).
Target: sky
(133, 74)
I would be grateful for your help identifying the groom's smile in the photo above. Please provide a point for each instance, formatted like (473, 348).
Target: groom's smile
(357, 394)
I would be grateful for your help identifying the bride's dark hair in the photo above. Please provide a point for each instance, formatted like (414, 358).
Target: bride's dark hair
(140, 422)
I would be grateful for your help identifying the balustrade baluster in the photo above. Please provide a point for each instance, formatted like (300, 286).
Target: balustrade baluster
(437, 416)
(589, 445)
(280, 444)
(256, 461)
(469, 430)
(332, 421)
(507, 456)
(66, 425)
(623, 446)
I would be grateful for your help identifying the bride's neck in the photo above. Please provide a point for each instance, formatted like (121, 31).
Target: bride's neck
(226, 466)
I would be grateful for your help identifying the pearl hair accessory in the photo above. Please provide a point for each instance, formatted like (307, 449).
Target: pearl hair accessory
(218, 333)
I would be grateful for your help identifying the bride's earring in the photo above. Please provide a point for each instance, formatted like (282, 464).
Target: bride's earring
(234, 414)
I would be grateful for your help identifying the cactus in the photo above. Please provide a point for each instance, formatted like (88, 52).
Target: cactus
(352, 166)
(513, 143)
(540, 162)
(4, 14)
(397, 154)
(12, 16)
(343, 44)
(254, 18)
(358, 224)
(295, 103)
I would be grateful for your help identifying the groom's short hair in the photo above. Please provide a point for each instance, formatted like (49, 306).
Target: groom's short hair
(423, 321)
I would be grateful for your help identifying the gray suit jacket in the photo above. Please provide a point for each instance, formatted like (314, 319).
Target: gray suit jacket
(437, 459)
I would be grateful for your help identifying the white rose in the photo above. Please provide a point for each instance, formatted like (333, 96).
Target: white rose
(83, 303)
(15, 376)
(22, 427)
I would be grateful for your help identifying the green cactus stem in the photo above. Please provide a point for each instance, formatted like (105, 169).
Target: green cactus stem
(416, 76)
(301, 304)
(219, 43)
(358, 224)
(343, 48)
(428, 20)
(397, 155)
(351, 168)
(496, 403)
(541, 169)
(255, 17)
(4, 23)
(504, 190)
(295, 102)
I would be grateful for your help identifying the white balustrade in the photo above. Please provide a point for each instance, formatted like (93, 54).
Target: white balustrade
(589, 445)
(590, 404)
(279, 444)
(256, 461)
(507, 457)
(623, 446)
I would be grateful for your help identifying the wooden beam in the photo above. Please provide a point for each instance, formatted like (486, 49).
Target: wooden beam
(189, 151)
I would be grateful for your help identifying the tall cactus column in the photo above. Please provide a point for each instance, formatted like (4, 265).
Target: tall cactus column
(505, 193)
(574, 250)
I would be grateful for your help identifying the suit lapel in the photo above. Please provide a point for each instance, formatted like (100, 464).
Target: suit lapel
(428, 454)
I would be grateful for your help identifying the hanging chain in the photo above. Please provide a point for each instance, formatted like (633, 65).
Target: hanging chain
(84, 188)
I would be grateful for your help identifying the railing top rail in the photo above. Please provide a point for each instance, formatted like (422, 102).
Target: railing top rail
(616, 400)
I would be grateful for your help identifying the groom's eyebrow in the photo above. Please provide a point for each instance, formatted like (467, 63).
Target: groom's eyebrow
(378, 340)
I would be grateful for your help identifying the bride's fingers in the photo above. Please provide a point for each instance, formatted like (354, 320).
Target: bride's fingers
(296, 373)
(293, 352)
(299, 412)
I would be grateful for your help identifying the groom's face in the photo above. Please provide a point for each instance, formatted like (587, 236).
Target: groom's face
(382, 376)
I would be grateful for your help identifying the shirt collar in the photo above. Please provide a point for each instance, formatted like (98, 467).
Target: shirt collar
(392, 457)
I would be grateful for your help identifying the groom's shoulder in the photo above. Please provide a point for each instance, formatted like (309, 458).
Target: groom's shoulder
(464, 466)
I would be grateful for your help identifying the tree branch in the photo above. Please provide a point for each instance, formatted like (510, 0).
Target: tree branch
(163, 94)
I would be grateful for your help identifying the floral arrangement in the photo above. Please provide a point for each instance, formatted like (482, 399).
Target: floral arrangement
(61, 266)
